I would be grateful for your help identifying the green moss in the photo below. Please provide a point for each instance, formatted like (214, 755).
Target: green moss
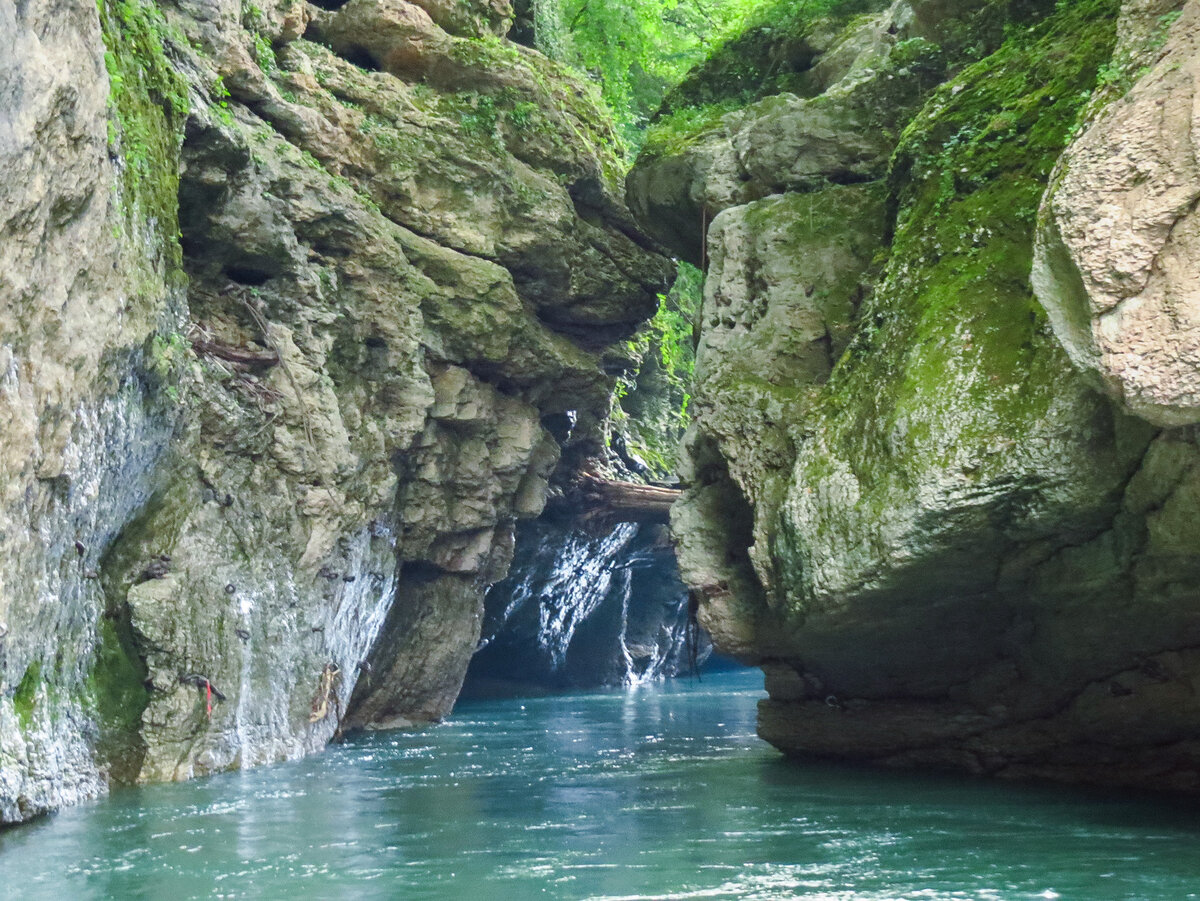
(674, 132)
(117, 692)
(956, 292)
(25, 697)
(547, 85)
(952, 360)
(768, 57)
(911, 70)
(148, 105)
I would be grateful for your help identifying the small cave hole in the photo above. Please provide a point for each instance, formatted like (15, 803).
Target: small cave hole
(375, 343)
(330, 5)
(523, 30)
(247, 275)
(361, 57)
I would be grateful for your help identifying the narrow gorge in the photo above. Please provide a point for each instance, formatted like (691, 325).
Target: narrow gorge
(325, 378)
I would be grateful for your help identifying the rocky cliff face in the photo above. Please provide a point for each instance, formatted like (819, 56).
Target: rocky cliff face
(288, 294)
(951, 511)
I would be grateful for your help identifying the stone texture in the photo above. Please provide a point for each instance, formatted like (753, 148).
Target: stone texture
(82, 288)
(277, 450)
(1119, 230)
(944, 546)
(856, 89)
(787, 274)
(585, 604)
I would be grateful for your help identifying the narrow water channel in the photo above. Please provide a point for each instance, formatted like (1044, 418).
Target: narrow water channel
(659, 792)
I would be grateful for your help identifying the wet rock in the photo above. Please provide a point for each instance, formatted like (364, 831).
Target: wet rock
(405, 299)
(583, 608)
(86, 292)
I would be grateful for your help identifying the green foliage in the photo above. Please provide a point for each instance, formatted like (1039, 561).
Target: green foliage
(767, 55)
(652, 404)
(770, 54)
(480, 116)
(523, 114)
(264, 54)
(635, 49)
(673, 327)
(640, 50)
(253, 18)
(26, 694)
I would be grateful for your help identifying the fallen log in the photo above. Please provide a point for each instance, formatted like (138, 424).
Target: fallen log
(626, 501)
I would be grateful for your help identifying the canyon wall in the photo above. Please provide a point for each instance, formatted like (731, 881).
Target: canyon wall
(299, 309)
(941, 481)
(584, 605)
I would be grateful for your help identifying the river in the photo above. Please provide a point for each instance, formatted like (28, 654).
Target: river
(661, 791)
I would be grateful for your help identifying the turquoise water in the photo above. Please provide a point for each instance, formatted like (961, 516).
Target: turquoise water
(663, 792)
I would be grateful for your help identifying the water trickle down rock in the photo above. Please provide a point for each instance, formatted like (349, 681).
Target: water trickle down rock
(85, 300)
(583, 609)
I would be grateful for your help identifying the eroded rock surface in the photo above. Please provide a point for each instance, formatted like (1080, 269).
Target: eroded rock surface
(903, 497)
(83, 286)
(281, 318)
(586, 605)
(1115, 264)
(856, 81)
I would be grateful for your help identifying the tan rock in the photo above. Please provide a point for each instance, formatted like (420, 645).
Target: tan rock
(1120, 233)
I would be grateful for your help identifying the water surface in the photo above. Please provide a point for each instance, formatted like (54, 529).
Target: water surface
(661, 792)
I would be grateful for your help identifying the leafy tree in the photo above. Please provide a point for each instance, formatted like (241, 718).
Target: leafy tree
(635, 49)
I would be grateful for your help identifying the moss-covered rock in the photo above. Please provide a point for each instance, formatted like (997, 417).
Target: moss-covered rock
(282, 331)
(88, 245)
(902, 498)
(863, 81)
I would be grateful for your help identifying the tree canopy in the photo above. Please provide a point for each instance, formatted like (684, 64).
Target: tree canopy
(635, 49)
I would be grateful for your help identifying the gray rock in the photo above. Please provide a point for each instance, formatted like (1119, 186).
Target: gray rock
(902, 498)
(320, 396)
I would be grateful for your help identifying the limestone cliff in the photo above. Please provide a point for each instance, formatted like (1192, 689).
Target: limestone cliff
(952, 513)
(287, 294)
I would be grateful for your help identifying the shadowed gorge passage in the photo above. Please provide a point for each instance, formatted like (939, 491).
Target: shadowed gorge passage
(586, 606)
